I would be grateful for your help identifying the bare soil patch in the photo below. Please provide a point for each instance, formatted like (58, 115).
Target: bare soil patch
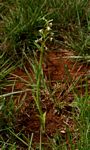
(61, 76)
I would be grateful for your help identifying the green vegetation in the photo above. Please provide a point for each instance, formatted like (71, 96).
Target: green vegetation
(27, 27)
(71, 20)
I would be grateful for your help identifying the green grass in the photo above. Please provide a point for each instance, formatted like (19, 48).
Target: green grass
(8, 137)
(21, 22)
(24, 19)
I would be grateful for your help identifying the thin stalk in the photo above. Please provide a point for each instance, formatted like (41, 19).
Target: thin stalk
(39, 79)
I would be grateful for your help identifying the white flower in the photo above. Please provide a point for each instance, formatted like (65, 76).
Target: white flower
(50, 24)
(38, 40)
(51, 39)
(41, 30)
(46, 48)
(48, 28)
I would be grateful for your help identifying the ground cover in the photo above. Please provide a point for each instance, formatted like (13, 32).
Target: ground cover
(57, 101)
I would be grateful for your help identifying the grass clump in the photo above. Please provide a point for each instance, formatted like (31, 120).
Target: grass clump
(22, 24)
(84, 122)
(70, 23)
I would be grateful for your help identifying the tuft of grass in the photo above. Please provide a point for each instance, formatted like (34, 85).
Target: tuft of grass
(84, 123)
(80, 139)
(71, 23)
(22, 24)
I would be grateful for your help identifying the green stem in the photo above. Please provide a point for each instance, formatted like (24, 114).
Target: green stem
(39, 84)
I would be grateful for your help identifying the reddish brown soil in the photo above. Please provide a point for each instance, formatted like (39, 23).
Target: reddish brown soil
(60, 74)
